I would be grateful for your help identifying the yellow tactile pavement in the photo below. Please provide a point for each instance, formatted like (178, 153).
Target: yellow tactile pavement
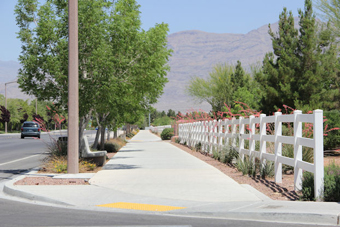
(139, 206)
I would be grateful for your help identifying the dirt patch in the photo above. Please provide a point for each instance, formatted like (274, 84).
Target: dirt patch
(47, 180)
(51, 181)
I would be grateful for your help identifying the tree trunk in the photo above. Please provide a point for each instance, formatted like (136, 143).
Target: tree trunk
(115, 134)
(128, 130)
(108, 134)
(102, 138)
(95, 144)
(83, 121)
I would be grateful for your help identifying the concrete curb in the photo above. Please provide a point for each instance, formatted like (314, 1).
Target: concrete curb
(267, 216)
(294, 218)
(10, 189)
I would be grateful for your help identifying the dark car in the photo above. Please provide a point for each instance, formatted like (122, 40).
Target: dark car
(30, 129)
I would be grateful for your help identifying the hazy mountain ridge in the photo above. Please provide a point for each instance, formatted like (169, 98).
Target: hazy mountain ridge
(194, 54)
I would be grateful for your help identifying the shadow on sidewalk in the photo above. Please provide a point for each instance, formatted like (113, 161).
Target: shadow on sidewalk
(119, 166)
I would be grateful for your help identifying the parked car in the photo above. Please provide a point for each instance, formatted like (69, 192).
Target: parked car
(30, 129)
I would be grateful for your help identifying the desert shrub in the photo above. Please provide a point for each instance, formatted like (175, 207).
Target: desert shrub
(167, 133)
(333, 137)
(111, 147)
(331, 191)
(267, 169)
(253, 167)
(307, 187)
(198, 146)
(228, 154)
(178, 140)
(246, 165)
(216, 154)
(57, 147)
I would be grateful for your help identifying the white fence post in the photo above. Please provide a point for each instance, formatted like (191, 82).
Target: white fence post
(297, 151)
(241, 140)
(233, 133)
(263, 132)
(220, 134)
(318, 154)
(251, 135)
(278, 148)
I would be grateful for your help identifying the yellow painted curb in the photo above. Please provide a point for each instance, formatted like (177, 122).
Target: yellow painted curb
(139, 206)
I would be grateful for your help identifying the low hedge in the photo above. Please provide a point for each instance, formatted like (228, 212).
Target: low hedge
(167, 133)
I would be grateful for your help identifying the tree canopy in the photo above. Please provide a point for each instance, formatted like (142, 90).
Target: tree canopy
(302, 70)
(121, 66)
(225, 84)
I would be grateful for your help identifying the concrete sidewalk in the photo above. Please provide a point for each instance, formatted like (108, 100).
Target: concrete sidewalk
(152, 176)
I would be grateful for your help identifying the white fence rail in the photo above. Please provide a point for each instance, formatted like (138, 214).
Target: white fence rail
(159, 129)
(215, 134)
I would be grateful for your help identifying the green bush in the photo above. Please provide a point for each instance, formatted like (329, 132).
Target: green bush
(228, 154)
(167, 133)
(332, 140)
(331, 191)
(111, 147)
(252, 167)
(178, 140)
(216, 154)
(57, 148)
(246, 165)
(198, 146)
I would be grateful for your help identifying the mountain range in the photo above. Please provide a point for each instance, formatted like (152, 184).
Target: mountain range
(194, 54)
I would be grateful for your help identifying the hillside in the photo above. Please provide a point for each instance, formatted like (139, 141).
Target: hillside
(194, 54)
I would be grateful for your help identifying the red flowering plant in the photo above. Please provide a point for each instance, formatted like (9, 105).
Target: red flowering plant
(56, 147)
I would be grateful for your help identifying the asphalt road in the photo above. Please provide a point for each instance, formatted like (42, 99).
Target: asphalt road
(18, 155)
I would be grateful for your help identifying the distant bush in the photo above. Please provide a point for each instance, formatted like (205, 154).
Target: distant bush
(167, 133)
(162, 121)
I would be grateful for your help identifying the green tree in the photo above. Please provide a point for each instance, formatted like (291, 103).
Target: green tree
(220, 87)
(302, 70)
(121, 66)
(330, 12)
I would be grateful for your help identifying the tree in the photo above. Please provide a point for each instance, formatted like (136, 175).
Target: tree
(121, 66)
(302, 70)
(330, 12)
(171, 113)
(5, 115)
(219, 89)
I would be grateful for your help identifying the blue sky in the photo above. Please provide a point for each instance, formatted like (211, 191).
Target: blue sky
(217, 16)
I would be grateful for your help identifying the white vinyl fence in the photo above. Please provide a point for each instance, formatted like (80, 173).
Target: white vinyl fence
(159, 129)
(216, 134)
